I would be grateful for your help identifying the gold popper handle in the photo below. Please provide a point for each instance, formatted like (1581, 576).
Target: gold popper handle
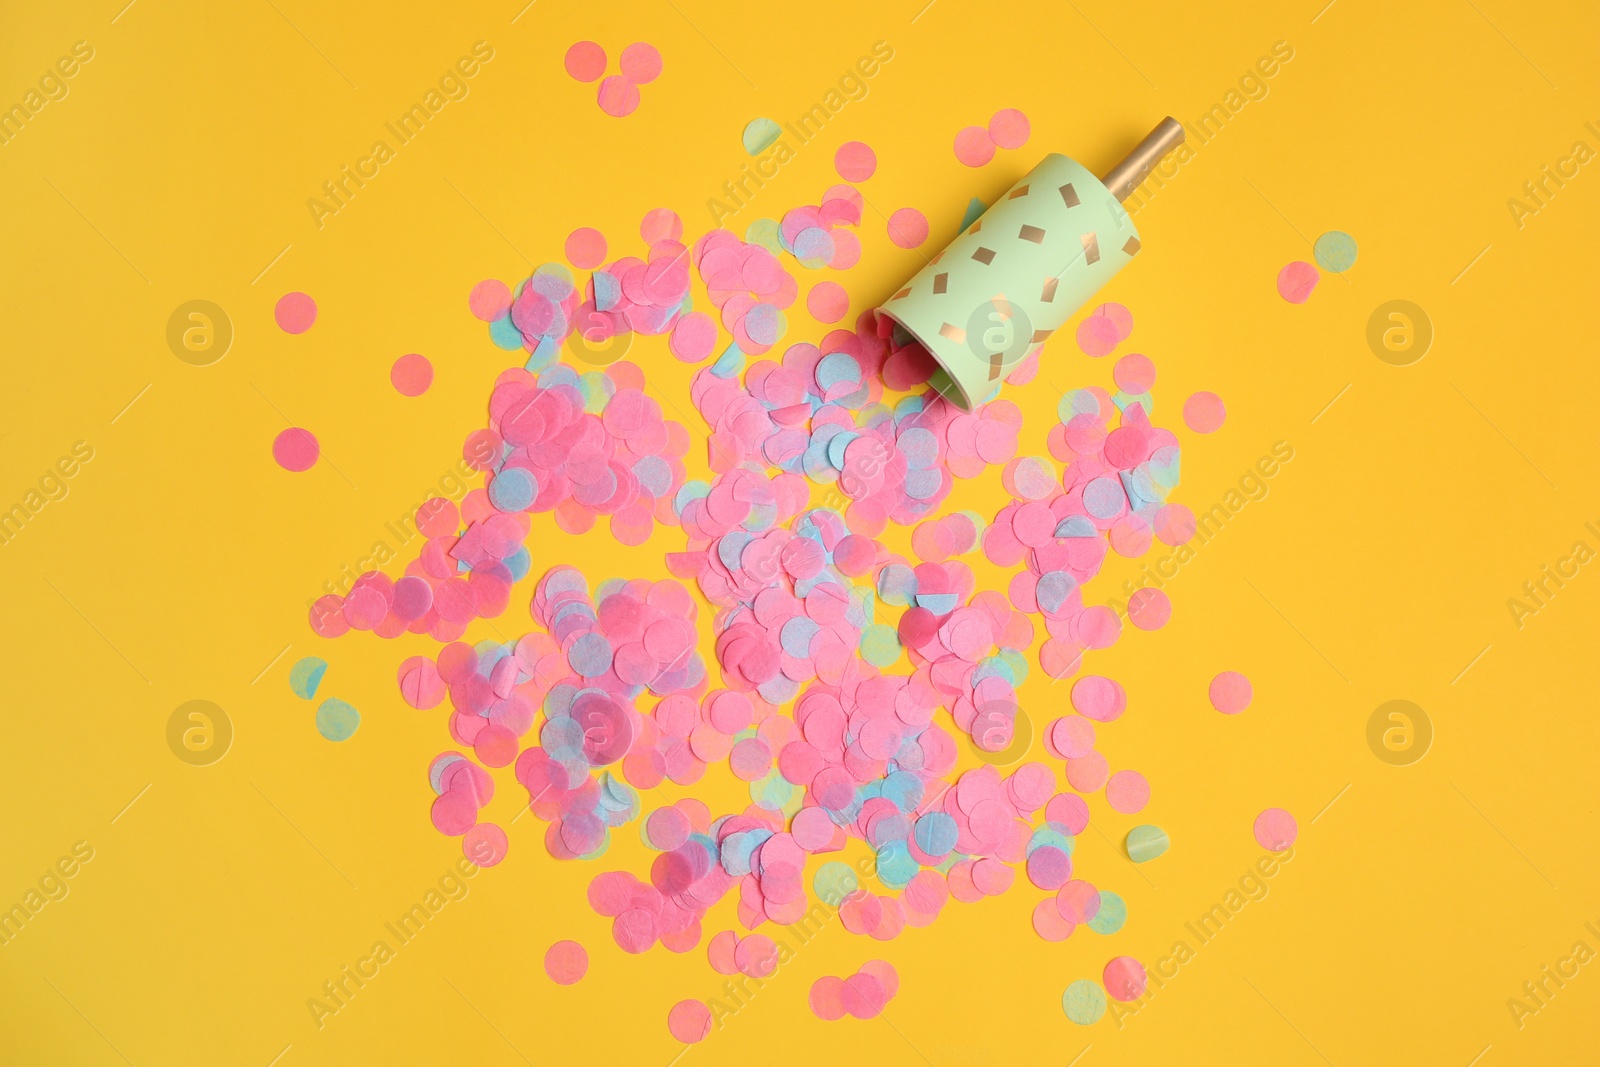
(1128, 175)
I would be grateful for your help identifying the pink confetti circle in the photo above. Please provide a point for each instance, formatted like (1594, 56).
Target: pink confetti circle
(1174, 524)
(827, 998)
(1230, 692)
(1149, 609)
(295, 312)
(827, 302)
(886, 975)
(641, 63)
(1204, 412)
(489, 299)
(453, 813)
(418, 676)
(618, 96)
(586, 248)
(1088, 773)
(295, 449)
(855, 161)
(693, 337)
(485, 844)
(1118, 314)
(1296, 281)
(586, 61)
(1128, 792)
(660, 224)
(908, 227)
(1276, 829)
(1078, 901)
(689, 1021)
(411, 374)
(1099, 698)
(1124, 978)
(720, 951)
(1070, 810)
(1048, 923)
(974, 146)
(566, 962)
(1134, 373)
(1009, 128)
(1098, 335)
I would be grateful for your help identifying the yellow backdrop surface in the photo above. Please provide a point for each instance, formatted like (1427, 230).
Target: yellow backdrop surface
(175, 164)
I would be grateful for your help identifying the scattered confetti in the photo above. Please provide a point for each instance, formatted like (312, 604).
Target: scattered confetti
(1148, 609)
(618, 96)
(1113, 913)
(855, 161)
(641, 63)
(1335, 251)
(306, 675)
(1127, 792)
(295, 449)
(485, 844)
(1008, 128)
(586, 61)
(420, 684)
(1084, 1002)
(336, 720)
(1103, 329)
(760, 135)
(693, 337)
(1276, 829)
(491, 299)
(1124, 978)
(974, 146)
(566, 962)
(411, 375)
(863, 995)
(1145, 843)
(1134, 374)
(1296, 281)
(1230, 692)
(295, 312)
(586, 249)
(827, 302)
(1204, 412)
(689, 1021)
(851, 673)
(908, 227)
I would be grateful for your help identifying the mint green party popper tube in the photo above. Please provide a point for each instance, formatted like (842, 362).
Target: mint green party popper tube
(1019, 272)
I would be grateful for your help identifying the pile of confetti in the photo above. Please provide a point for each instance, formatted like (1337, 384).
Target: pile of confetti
(851, 677)
(618, 94)
(863, 995)
(1334, 251)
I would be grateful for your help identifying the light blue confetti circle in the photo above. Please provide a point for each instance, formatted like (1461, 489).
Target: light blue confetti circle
(1335, 251)
(336, 720)
(1084, 1002)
